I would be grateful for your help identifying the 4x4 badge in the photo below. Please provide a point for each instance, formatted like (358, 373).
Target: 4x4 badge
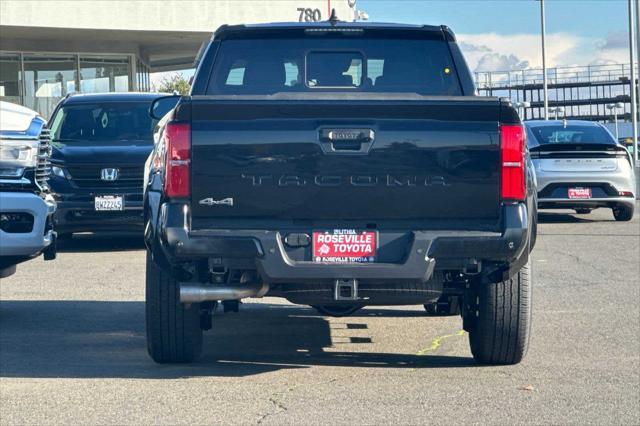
(212, 202)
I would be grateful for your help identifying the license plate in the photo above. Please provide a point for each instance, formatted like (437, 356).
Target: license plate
(109, 203)
(345, 246)
(579, 193)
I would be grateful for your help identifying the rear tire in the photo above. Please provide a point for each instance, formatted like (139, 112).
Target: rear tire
(501, 325)
(174, 334)
(336, 310)
(623, 213)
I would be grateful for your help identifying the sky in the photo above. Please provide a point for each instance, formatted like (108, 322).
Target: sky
(503, 35)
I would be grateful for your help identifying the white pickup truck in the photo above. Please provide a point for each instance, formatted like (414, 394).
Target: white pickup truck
(26, 206)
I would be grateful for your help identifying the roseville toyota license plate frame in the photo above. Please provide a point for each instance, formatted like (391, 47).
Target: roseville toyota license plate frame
(344, 246)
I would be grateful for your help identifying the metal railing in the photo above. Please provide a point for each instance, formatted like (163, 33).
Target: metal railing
(557, 75)
(582, 92)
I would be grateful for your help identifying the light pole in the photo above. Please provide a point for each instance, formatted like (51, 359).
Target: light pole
(544, 63)
(614, 108)
(632, 83)
(556, 111)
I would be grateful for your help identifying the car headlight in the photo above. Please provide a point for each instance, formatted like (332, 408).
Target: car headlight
(16, 155)
(59, 172)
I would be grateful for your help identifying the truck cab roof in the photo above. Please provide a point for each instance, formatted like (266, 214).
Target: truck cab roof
(238, 31)
(111, 97)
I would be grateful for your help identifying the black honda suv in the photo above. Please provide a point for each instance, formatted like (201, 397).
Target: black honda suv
(100, 144)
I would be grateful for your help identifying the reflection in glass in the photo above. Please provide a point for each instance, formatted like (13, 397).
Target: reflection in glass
(99, 75)
(10, 81)
(48, 79)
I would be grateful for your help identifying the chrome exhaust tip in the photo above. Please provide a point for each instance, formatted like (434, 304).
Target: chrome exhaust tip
(196, 293)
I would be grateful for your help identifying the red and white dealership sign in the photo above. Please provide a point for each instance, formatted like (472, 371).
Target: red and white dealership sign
(344, 245)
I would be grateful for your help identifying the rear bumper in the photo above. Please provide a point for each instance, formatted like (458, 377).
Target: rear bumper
(606, 187)
(27, 244)
(566, 203)
(424, 252)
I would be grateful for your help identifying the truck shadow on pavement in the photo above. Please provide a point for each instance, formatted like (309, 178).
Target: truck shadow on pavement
(87, 339)
(555, 217)
(85, 243)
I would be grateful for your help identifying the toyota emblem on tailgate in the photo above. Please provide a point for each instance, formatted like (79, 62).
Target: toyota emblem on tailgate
(109, 174)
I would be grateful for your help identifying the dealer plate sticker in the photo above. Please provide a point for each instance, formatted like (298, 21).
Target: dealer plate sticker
(345, 246)
(109, 203)
(579, 193)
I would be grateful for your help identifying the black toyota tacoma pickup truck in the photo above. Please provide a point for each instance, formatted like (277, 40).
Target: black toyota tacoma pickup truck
(338, 165)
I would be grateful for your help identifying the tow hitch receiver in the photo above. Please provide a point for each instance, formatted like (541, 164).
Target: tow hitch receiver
(346, 289)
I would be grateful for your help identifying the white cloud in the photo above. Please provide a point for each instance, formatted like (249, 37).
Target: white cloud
(498, 52)
(516, 50)
(615, 40)
(496, 61)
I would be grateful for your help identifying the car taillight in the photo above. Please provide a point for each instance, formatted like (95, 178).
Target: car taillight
(178, 160)
(512, 142)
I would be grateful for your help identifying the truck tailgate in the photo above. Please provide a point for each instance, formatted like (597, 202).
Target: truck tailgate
(345, 160)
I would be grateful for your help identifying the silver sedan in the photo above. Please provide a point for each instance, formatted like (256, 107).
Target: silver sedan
(579, 165)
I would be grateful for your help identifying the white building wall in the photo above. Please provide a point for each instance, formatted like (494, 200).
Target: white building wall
(164, 15)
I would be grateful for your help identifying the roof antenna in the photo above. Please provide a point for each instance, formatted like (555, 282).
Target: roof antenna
(333, 19)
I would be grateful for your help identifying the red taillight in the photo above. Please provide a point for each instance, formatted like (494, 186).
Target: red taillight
(178, 160)
(512, 142)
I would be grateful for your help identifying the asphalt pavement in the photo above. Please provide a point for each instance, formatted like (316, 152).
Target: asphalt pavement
(72, 348)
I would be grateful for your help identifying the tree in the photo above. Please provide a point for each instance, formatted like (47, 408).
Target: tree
(175, 82)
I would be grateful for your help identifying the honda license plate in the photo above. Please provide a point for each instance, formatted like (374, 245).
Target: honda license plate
(345, 246)
(579, 193)
(109, 203)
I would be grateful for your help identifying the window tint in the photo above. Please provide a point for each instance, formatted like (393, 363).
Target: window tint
(264, 66)
(107, 123)
(558, 134)
(334, 69)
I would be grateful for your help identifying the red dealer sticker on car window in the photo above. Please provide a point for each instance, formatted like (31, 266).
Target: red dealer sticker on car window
(344, 246)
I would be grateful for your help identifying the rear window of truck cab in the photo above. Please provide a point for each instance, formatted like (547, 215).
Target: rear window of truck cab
(273, 65)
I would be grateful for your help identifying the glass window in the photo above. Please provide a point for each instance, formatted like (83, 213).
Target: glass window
(557, 134)
(10, 78)
(292, 72)
(109, 123)
(100, 75)
(142, 71)
(334, 69)
(269, 65)
(375, 68)
(48, 79)
(236, 74)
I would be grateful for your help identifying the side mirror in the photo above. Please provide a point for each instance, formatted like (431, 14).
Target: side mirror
(162, 106)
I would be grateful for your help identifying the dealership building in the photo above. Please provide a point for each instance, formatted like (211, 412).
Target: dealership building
(51, 48)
